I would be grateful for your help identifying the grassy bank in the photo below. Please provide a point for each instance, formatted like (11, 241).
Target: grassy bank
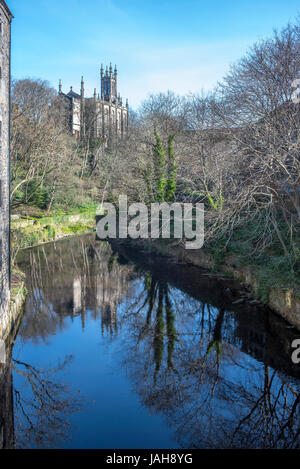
(269, 264)
(269, 285)
(30, 231)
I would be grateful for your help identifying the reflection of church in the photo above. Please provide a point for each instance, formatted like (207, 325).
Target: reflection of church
(97, 289)
(101, 295)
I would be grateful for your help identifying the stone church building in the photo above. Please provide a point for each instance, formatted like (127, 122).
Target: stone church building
(5, 55)
(103, 115)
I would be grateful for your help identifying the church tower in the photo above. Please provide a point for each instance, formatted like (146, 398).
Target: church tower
(109, 87)
(104, 115)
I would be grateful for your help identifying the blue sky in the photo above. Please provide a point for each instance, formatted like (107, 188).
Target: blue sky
(181, 45)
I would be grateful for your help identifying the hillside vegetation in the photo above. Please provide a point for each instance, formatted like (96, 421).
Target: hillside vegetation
(235, 149)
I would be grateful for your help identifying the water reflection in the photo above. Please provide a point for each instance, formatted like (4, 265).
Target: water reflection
(214, 395)
(38, 418)
(220, 375)
(6, 408)
(68, 279)
(42, 413)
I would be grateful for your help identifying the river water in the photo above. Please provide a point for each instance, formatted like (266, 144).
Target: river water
(122, 349)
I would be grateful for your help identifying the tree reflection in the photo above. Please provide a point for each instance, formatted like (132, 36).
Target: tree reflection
(84, 278)
(35, 404)
(236, 403)
(42, 411)
(214, 374)
(157, 302)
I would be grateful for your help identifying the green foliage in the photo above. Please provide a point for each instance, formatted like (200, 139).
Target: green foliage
(37, 194)
(78, 228)
(158, 343)
(50, 228)
(172, 171)
(217, 203)
(270, 265)
(19, 195)
(161, 183)
(159, 164)
(171, 331)
(51, 231)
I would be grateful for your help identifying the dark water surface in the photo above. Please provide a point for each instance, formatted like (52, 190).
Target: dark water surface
(119, 349)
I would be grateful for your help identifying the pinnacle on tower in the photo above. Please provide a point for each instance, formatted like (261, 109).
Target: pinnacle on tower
(60, 87)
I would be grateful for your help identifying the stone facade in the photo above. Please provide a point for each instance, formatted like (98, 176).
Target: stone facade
(5, 46)
(103, 115)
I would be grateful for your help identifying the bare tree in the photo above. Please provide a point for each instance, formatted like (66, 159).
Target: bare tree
(40, 147)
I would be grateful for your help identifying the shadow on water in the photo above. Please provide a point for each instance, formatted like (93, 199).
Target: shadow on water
(219, 375)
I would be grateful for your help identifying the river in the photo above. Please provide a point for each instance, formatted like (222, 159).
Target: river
(120, 349)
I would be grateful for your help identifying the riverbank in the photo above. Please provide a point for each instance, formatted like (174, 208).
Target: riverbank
(27, 232)
(30, 231)
(284, 301)
(12, 319)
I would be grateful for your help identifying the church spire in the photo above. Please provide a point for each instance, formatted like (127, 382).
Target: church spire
(82, 88)
(82, 110)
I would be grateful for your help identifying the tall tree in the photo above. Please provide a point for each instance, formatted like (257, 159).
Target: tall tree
(159, 164)
(172, 170)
